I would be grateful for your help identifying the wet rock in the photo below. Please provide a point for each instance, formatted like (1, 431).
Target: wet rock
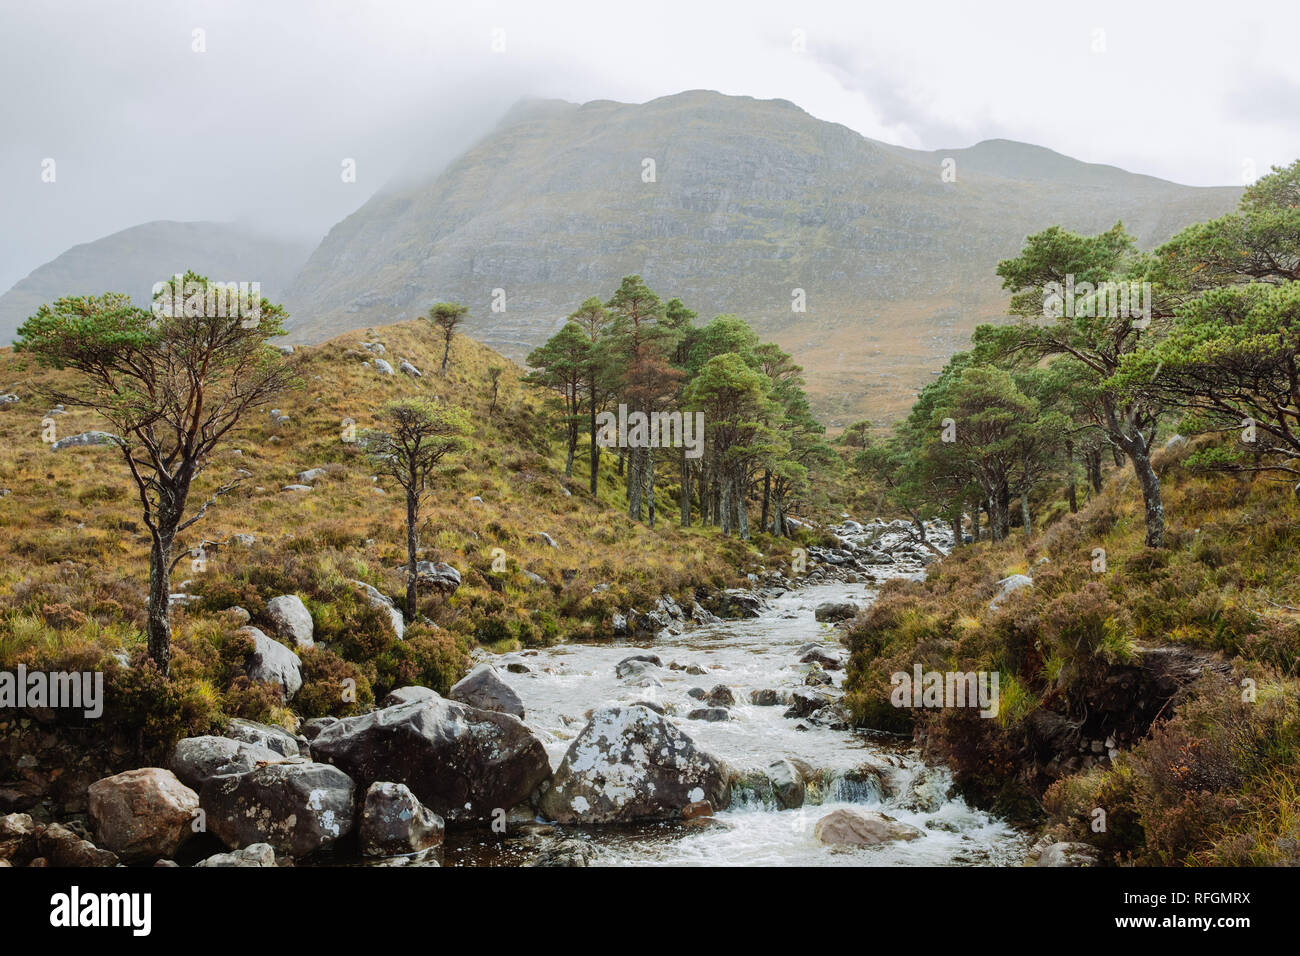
(142, 814)
(827, 659)
(461, 762)
(787, 783)
(297, 808)
(721, 696)
(835, 611)
(264, 735)
(816, 677)
(483, 688)
(854, 827)
(697, 693)
(619, 668)
(700, 808)
(258, 854)
(805, 701)
(739, 603)
(571, 852)
(196, 760)
(767, 697)
(1069, 854)
(310, 728)
(630, 763)
(394, 822)
(709, 713)
(273, 663)
(290, 619)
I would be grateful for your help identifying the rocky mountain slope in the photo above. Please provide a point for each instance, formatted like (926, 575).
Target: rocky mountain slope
(749, 201)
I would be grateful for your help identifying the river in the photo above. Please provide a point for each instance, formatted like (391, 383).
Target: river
(564, 682)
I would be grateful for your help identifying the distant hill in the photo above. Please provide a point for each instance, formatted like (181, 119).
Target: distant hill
(751, 199)
(132, 260)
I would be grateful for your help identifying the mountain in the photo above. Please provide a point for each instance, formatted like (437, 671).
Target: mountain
(132, 260)
(751, 199)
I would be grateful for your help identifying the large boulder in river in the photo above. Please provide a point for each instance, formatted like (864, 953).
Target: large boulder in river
(142, 814)
(394, 822)
(854, 827)
(461, 762)
(196, 760)
(483, 688)
(835, 611)
(738, 603)
(290, 619)
(295, 807)
(630, 763)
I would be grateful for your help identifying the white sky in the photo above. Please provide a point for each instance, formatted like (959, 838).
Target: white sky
(141, 127)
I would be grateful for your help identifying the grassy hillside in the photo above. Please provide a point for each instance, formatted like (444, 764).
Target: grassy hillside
(1161, 690)
(74, 553)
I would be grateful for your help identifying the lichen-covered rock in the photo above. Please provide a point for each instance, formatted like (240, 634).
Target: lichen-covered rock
(264, 735)
(196, 760)
(394, 822)
(142, 814)
(295, 807)
(17, 837)
(407, 695)
(483, 688)
(59, 846)
(259, 854)
(461, 762)
(630, 763)
(440, 576)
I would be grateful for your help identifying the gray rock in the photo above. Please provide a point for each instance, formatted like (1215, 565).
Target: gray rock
(275, 739)
(854, 827)
(196, 760)
(440, 576)
(721, 696)
(787, 783)
(1008, 586)
(571, 852)
(712, 714)
(1069, 854)
(546, 539)
(408, 369)
(377, 599)
(296, 488)
(272, 662)
(311, 474)
(291, 620)
(835, 611)
(382, 367)
(86, 439)
(483, 688)
(408, 695)
(394, 822)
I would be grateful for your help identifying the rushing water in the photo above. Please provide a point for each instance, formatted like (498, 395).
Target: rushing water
(565, 682)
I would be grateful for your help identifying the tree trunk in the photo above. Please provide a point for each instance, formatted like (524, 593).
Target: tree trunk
(1150, 482)
(1094, 469)
(573, 447)
(742, 516)
(1072, 489)
(650, 485)
(686, 491)
(412, 547)
(957, 540)
(724, 491)
(446, 351)
(1024, 513)
(634, 477)
(160, 586)
(767, 498)
(595, 448)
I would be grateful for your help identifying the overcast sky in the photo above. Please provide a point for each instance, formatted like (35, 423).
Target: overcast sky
(141, 126)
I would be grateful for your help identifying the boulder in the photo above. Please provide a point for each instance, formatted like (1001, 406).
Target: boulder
(835, 611)
(712, 714)
(461, 762)
(787, 783)
(571, 852)
(721, 696)
(830, 661)
(272, 662)
(630, 763)
(258, 854)
(295, 807)
(290, 619)
(86, 439)
(739, 603)
(310, 728)
(483, 688)
(637, 665)
(394, 822)
(805, 701)
(382, 367)
(1008, 586)
(311, 474)
(196, 760)
(766, 697)
(441, 577)
(408, 695)
(854, 827)
(142, 814)
(59, 846)
(407, 368)
(263, 735)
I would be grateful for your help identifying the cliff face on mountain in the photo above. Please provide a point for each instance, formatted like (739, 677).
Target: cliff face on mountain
(747, 201)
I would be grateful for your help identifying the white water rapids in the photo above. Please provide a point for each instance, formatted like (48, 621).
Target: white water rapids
(564, 682)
